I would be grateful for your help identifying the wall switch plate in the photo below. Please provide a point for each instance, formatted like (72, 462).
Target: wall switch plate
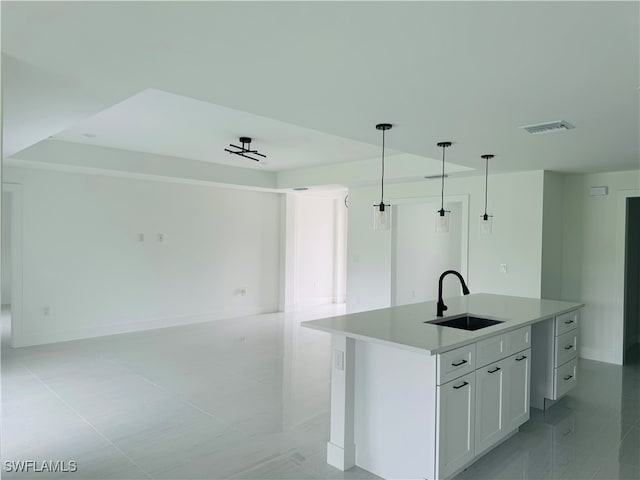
(503, 268)
(141, 237)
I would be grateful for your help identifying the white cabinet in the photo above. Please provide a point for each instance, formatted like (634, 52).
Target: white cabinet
(491, 403)
(502, 399)
(518, 375)
(456, 420)
(555, 353)
(477, 410)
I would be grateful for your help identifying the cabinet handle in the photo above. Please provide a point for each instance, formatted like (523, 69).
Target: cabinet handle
(568, 377)
(521, 358)
(568, 347)
(494, 370)
(461, 362)
(461, 385)
(568, 322)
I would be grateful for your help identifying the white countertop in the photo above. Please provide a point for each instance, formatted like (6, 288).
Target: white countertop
(403, 326)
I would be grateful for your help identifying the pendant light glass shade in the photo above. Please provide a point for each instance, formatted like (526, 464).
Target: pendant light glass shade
(382, 217)
(382, 211)
(442, 215)
(442, 221)
(486, 224)
(486, 220)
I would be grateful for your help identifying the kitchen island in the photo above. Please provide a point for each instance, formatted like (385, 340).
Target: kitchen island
(412, 399)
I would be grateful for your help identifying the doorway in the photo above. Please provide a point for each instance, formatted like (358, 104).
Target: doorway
(632, 280)
(5, 314)
(420, 254)
(11, 251)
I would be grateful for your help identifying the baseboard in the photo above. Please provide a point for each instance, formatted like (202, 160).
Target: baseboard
(593, 354)
(129, 327)
(312, 302)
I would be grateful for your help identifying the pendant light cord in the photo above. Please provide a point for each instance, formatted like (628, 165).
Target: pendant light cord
(382, 177)
(442, 189)
(486, 184)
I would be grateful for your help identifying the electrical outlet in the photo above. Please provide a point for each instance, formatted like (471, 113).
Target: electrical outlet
(141, 237)
(503, 268)
(46, 311)
(160, 237)
(243, 291)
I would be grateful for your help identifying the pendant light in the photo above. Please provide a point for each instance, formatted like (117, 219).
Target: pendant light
(486, 220)
(442, 215)
(382, 214)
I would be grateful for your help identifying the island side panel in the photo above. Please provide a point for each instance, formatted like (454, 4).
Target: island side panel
(395, 405)
(541, 362)
(341, 446)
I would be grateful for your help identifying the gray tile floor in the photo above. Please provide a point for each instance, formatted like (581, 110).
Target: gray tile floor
(249, 398)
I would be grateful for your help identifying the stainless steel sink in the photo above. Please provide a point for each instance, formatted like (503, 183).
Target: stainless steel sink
(465, 322)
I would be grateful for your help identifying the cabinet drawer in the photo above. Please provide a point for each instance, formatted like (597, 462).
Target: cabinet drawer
(564, 378)
(566, 348)
(567, 322)
(456, 363)
(518, 340)
(491, 350)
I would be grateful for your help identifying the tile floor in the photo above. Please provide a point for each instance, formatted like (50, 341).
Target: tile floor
(248, 398)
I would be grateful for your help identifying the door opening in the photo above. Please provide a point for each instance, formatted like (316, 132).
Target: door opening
(5, 314)
(420, 254)
(632, 282)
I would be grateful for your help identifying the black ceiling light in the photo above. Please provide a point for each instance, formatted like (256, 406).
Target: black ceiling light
(381, 214)
(486, 219)
(442, 215)
(245, 149)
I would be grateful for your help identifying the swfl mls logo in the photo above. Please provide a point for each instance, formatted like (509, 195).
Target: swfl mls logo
(48, 466)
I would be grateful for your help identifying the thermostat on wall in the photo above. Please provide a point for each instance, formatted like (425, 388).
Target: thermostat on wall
(599, 191)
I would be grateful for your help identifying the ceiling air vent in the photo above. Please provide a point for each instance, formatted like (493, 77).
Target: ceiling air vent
(432, 177)
(548, 127)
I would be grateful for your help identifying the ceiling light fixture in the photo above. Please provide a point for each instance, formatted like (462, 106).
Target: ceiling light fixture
(486, 220)
(442, 217)
(245, 149)
(381, 214)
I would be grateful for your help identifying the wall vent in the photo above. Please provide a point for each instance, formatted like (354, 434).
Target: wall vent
(548, 127)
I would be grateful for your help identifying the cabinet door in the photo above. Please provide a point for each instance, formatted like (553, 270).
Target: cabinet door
(519, 371)
(456, 424)
(491, 399)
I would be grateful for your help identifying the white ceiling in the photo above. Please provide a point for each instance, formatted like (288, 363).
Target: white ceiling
(166, 124)
(470, 72)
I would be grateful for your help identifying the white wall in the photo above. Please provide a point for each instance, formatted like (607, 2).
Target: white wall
(421, 254)
(552, 225)
(83, 261)
(593, 258)
(6, 248)
(514, 199)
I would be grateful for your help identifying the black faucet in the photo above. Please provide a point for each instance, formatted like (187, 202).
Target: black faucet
(441, 306)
